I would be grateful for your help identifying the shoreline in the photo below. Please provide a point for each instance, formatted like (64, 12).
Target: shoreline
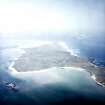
(92, 75)
(76, 62)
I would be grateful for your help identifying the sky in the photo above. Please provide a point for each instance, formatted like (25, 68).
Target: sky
(52, 16)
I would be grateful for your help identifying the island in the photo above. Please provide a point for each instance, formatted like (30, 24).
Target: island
(47, 56)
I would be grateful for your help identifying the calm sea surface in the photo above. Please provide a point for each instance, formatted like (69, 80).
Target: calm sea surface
(62, 87)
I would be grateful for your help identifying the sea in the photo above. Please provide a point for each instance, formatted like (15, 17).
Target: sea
(54, 86)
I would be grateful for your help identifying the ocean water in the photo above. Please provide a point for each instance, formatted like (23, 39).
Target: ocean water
(90, 46)
(54, 86)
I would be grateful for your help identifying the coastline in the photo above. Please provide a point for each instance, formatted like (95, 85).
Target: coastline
(13, 71)
(59, 58)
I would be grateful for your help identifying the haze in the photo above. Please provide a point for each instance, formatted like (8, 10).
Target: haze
(52, 16)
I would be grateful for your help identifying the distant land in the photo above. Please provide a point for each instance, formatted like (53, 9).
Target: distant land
(47, 56)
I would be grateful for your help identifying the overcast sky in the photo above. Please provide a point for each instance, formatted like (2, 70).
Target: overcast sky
(52, 16)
